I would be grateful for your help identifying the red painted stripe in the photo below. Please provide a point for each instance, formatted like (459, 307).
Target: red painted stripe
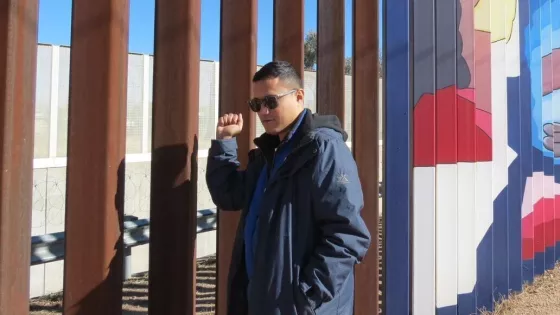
(538, 225)
(424, 127)
(446, 126)
(466, 130)
(548, 213)
(557, 217)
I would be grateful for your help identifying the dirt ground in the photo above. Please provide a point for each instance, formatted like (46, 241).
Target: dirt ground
(540, 298)
(135, 294)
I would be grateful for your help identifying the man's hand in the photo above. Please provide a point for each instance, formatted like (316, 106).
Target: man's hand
(229, 126)
(551, 139)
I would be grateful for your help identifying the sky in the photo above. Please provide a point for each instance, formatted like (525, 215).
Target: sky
(55, 20)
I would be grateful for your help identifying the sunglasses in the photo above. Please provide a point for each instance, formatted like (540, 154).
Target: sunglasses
(269, 101)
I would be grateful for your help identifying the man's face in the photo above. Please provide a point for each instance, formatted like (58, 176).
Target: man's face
(276, 121)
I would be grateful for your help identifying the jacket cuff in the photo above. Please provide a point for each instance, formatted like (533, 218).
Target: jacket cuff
(221, 146)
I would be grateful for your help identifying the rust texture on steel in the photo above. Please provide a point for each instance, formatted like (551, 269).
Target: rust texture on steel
(237, 67)
(330, 58)
(174, 157)
(288, 32)
(93, 270)
(365, 145)
(18, 59)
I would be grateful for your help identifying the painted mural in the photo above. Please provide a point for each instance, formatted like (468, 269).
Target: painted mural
(484, 84)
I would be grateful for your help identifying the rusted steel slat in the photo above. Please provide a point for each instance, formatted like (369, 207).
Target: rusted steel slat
(96, 149)
(174, 157)
(330, 58)
(365, 89)
(288, 32)
(237, 66)
(18, 60)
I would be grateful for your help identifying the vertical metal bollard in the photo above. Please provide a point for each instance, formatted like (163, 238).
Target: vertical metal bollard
(172, 276)
(18, 60)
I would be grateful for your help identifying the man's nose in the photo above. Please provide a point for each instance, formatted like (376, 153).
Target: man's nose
(264, 110)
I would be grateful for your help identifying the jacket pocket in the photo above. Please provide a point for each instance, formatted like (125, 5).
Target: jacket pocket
(302, 303)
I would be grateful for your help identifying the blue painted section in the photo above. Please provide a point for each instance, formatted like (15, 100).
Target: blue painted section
(398, 157)
(538, 165)
(528, 273)
(548, 165)
(466, 303)
(548, 159)
(535, 63)
(515, 192)
(484, 276)
(539, 263)
(526, 147)
(448, 310)
(500, 245)
(549, 255)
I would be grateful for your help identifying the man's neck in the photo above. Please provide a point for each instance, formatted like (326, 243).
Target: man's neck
(282, 134)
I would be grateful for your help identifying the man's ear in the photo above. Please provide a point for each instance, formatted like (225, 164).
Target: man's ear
(300, 95)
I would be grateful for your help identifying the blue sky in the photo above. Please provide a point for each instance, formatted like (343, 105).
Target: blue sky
(55, 17)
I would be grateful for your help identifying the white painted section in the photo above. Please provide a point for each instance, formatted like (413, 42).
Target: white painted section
(527, 203)
(217, 91)
(499, 119)
(548, 186)
(511, 155)
(49, 162)
(349, 144)
(537, 187)
(446, 235)
(466, 218)
(53, 139)
(146, 104)
(424, 205)
(36, 280)
(484, 201)
(537, 196)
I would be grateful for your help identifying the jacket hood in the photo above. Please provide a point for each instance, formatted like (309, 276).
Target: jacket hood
(310, 123)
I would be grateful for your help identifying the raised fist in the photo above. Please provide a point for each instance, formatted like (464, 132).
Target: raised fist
(551, 139)
(229, 125)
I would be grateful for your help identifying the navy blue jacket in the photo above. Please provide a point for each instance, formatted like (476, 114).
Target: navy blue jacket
(310, 232)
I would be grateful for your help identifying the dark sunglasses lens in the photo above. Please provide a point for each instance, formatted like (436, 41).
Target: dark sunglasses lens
(271, 102)
(255, 104)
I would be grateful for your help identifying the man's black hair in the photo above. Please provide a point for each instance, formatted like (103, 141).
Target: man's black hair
(279, 69)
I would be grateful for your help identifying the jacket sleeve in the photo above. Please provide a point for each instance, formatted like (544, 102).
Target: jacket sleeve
(225, 182)
(337, 200)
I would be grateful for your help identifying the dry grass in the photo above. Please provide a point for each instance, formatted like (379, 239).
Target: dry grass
(135, 294)
(540, 298)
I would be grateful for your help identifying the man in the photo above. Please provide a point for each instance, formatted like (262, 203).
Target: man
(301, 232)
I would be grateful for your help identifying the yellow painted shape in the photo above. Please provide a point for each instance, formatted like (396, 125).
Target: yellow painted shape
(495, 17)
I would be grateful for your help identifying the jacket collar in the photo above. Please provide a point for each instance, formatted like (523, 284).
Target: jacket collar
(301, 126)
